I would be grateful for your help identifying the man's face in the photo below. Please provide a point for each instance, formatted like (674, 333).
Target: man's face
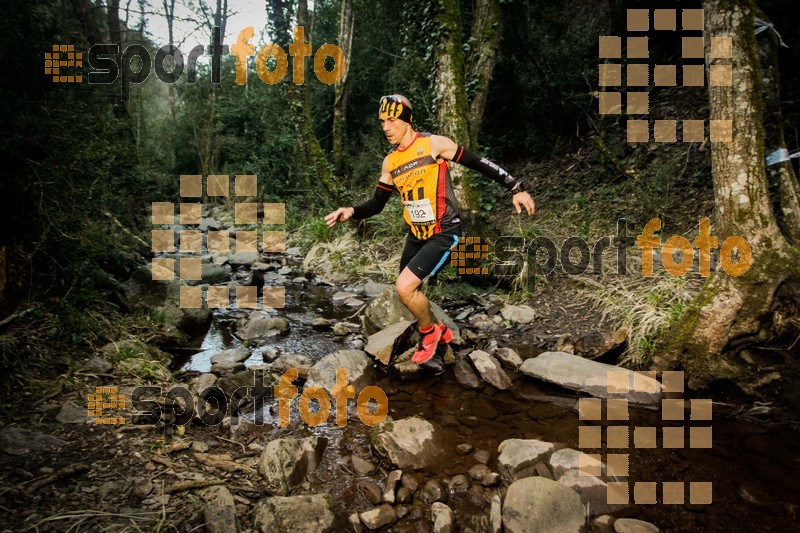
(394, 129)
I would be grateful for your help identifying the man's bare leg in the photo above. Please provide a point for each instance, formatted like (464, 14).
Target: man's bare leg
(408, 285)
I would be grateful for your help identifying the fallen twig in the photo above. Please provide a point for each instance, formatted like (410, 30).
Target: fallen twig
(65, 472)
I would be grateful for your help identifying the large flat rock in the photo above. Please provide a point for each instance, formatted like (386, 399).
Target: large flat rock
(410, 444)
(542, 505)
(380, 345)
(593, 378)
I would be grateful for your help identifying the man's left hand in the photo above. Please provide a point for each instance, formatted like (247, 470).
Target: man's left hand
(523, 199)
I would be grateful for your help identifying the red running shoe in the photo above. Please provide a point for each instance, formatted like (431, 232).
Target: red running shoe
(430, 340)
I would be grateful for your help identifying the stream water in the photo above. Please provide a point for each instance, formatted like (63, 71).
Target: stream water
(753, 466)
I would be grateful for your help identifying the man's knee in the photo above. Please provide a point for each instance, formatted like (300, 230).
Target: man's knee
(405, 291)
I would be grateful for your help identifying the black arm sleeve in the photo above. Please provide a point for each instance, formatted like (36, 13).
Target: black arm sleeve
(374, 205)
(485, 167)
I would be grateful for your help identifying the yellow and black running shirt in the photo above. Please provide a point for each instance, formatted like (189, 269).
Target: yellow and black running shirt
(425, 188)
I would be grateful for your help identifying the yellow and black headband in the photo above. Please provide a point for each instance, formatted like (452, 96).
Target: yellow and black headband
(396, 106)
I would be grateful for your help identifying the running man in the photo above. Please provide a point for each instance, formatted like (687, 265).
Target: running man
(417, 169)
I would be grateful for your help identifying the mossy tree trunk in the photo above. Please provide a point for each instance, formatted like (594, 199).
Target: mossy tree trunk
(731, 313)
(346, 24)
(783, 185)
(487, 29)
(455, 118)
(317, 165)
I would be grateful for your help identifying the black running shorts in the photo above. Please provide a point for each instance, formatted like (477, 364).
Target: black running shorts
(427, 257)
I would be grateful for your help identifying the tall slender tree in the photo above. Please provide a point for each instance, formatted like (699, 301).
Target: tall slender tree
(734, 312)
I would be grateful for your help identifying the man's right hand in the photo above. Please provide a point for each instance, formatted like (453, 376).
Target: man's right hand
(340, 215)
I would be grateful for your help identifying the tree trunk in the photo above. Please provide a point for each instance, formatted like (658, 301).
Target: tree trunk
(341, 87)
(732, 312)
(487, 30)
(318, 168)
(452, 107)
(784, 189)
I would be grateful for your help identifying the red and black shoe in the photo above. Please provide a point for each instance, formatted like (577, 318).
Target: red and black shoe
(433, 336)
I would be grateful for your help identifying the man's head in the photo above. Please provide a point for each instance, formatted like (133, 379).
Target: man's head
(395, 114)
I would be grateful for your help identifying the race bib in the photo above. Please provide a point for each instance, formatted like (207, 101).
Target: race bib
(420, 211)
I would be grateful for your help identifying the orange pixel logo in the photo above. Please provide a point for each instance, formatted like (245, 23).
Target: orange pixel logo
(63, 55)
(105, 398)
(465, 256)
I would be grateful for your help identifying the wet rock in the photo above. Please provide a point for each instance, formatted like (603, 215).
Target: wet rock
(442, 516)
(362, 467)
(229, 360)
(97, 365)
(288, 361)
(490, 370)
(458, 484)
(518, 314)
(371, 491)
(517, 454)
(433, 491)
(391, 484)
(569, 459)
(200, 383)
(213, 274)
(543, 470)
(373, 290)
(471, 421)
(379, 517)
(484, 409)
(387, 309)
(72, 414)
(344, 328)
(284, 463)
(354, 524)
(593, 344)
(542, 505)
(219, 510)
(402, 511)
(496, 515)
(631, 525)
(411, 443)
(259, 325)
(508, 358)
(602, 524)
(294, 513)
(320, 323)
(478, 471)
(404, 495)
(464, 449)
(382, 344)
(466, 375)
(243, 258)
(592, 491)
(341, 297)
(356, 362)
(491, 479)
(577, 373)
(482, 456)
(410, 482)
